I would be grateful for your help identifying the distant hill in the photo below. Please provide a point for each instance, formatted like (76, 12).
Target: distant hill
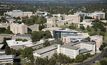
(54, 1)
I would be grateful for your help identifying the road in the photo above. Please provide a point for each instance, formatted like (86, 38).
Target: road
(97, 57)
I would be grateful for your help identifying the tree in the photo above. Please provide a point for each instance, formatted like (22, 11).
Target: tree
(47, 34)
(82, 27)
(73, 26)
(40, 61)
(28, 53)
(103, 62)
(7, 50)
(37, 35)
(47, 43)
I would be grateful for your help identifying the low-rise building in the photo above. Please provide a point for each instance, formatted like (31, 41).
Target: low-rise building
(4, 25)
(19, 13)
(6, 59)
(45, 52)
(95, 15)
(3, 36)
(22, 36)
(87, 22)
(19, 44)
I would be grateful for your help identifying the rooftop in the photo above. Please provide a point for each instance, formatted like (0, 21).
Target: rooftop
(67, 30)
(6, 57)
(70, 46)
(19, 43)
(46, 49)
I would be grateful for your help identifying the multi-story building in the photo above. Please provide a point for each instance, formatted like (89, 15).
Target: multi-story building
(95, 15)
(63, 33)
(74, 49)
(18, 28)
(19, 13)
(99, 41)
(62, 19)
(76, 37)
(68, 50)
(34, 27)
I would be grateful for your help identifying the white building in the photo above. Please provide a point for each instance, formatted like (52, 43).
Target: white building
(76, 37)
(95, 15)
(22, 36)
(45, 52)
(6, 59)
(18, 28)
(87, 22)
(74, 49)
(19, 13)
(99, 41)
(68, 50)
(98, 15)
(19, 44)
(4, 25)
(61, 20)
(72, 19)
(90, 46)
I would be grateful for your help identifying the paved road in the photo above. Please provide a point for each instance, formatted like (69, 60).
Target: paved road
(97, 57)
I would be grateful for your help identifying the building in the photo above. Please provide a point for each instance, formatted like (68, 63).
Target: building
(2, 52)
(76, 37)
(45, 52)
(18, 28)
(95, 15)
(90, 46)
(98, 15)
(38, 44)
(51, 29)
(34, 27)
(6, 59)
(51, 22)
(68, 50)
(73, 49)
(19, 44)
(5, 36)
(4, 25)
(22, 36)
(63, 33)
(62, 19)
(19, 13)
(99, 41)
(68, 32)
(72, 19)
(42, 13)
(87, 22)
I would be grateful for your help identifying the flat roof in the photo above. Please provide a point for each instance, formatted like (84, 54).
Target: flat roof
(6, 57)
(70, 46)
(66, 30)
(84, 50)
(46, 49)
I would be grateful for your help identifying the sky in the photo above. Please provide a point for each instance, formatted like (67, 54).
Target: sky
(58, 1)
